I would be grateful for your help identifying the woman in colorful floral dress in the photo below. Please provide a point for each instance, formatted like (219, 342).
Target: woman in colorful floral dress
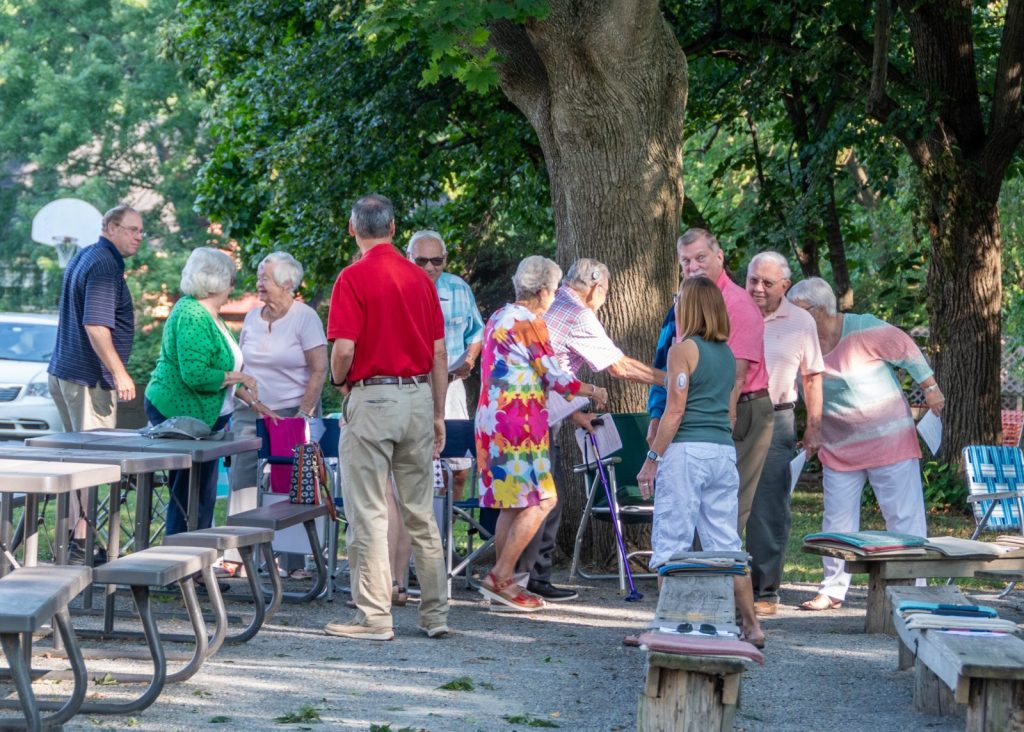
(518, 368)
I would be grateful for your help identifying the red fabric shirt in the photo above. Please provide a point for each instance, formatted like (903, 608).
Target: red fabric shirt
(389, 307)
(746, 332)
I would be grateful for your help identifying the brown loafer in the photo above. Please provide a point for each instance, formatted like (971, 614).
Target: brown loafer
(764, 608)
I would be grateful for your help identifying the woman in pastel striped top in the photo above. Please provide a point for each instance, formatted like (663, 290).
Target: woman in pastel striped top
(868, 432)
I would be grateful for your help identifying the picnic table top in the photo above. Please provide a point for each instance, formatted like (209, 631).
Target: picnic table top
(200, 451)
(31, 476)
(130, 463)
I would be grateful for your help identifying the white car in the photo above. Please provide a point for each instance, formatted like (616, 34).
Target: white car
(26, 407)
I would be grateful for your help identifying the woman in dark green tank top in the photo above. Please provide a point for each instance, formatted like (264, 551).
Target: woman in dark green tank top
(692, 458)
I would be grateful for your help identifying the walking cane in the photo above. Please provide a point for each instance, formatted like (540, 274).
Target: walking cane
(633, 595)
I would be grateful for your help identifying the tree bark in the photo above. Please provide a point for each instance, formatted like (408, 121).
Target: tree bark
(603, 83)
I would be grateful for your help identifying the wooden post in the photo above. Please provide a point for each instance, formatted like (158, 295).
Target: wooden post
(689, 693)
(879, 614)
(995, 704)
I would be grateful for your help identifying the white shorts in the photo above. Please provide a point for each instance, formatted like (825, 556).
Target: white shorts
(455, 407)
(697, 488)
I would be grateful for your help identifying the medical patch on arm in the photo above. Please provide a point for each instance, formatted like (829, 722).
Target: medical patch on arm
(682, 381)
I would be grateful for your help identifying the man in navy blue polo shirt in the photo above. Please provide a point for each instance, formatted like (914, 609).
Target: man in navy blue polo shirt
(94, 337)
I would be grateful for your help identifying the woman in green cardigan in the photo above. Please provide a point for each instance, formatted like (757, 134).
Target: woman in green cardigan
(199, 367)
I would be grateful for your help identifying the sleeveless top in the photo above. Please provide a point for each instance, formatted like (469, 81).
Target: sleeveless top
(706, 418)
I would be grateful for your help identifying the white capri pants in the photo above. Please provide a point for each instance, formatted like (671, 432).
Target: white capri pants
(697, 487)
(900, 496)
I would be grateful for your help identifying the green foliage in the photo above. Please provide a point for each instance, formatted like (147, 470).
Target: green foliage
(305, 713)
(944, 487)
(462, 683)
(308, 118)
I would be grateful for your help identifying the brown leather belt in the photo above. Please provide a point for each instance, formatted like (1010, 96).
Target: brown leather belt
(392, 380)
(751, 395)
(784, 406)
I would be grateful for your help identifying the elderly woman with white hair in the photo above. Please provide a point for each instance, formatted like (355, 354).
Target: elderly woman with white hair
(284, 348)
(197, 372)
(867, 429)
(517, 369)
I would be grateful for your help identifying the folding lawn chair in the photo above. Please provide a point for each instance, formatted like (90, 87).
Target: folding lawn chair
(995, 483)
(460, 443)
(628, 505)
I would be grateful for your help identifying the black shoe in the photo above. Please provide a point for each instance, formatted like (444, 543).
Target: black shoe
(549, 592)
(76, 552)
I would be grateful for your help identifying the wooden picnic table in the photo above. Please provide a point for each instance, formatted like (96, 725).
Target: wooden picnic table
(891, 570)
(36, 479)
(130, 441)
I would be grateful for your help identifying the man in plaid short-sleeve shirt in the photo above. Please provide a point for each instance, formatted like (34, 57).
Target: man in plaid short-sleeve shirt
(578, 339)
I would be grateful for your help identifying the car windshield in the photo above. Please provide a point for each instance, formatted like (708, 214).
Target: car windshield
(27, 341)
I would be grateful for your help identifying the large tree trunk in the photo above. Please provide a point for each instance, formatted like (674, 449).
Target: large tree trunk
(964, 299)
(604, 86)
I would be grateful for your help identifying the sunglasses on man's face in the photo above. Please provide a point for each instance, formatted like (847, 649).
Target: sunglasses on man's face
(424, 261)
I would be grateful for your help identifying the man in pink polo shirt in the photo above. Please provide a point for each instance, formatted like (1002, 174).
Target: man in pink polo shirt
(750, 407)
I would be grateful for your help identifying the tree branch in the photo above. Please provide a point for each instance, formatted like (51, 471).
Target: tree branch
(880, 56)
(1006, 110)
(521, 71)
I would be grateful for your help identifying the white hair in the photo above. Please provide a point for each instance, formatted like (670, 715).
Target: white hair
(535, 273)
(775, 258)
(815, 292)
(208, 271)
(287, 270)
(425, 234)
(585, 273)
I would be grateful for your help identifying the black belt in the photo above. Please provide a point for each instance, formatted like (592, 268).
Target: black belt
(386, 380)
(751, 395)
(784, 406)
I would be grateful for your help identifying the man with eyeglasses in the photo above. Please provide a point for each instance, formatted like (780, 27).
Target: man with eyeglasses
(791, 350)
(463, 333)
(750, 408)
(87, 370)
(578, 339)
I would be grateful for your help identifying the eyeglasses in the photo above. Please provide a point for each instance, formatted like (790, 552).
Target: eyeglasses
(133, 230)
(705, 628)
(423, 261)
(767, 284)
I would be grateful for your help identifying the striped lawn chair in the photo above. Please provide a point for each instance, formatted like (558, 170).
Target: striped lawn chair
(995, 481)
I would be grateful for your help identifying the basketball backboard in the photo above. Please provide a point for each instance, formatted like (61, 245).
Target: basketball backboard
(67, 224)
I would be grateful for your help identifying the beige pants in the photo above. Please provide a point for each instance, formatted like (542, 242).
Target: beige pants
(82, 408)
(755, 420)
(390, 428)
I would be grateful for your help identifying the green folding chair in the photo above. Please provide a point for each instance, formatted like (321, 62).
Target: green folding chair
(628, 506)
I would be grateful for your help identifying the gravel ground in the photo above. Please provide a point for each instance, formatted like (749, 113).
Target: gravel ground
(565, 666)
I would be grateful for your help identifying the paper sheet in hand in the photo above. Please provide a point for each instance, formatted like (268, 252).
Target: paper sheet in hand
(607, 436)
(559, 407)
(796, 466)
(930, 429)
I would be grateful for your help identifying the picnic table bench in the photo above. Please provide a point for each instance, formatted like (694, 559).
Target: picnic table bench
(692, 692)
(893, 570)
(985, 673)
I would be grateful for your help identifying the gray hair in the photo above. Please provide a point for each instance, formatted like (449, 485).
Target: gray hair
(208, 271)
(535, 273)
(425, 234)
(116, 215)
(287, 270)
(372, 216)
(775, 258)
(694, 235)
(585, 273)
(815, 292)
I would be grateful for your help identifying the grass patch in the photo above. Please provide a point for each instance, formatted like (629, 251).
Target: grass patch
(220, 719)
(305, 713)
(463, 683)
(528, 720)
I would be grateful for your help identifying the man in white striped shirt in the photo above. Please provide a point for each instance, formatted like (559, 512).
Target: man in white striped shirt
(791, 348)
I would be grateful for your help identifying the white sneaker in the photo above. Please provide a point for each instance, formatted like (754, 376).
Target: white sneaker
(358, 631)
(437, 631)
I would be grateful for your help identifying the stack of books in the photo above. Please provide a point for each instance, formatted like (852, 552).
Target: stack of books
(869, 543)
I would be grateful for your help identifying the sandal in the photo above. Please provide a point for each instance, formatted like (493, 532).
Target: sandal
(509, 593)
(757, 642)
(822, 602)
(633, 641)
(300, 574)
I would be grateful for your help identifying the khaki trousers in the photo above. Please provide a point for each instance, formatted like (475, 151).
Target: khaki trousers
(390, 429)
(82, 408)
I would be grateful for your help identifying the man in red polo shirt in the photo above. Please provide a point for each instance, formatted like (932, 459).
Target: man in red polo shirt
(388, 356)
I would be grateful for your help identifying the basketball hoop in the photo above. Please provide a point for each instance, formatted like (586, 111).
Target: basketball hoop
(66, 224)
(66, 249)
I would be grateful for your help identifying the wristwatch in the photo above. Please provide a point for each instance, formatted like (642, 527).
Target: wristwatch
(653, 456)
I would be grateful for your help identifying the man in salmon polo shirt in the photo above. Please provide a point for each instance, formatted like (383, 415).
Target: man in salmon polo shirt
(388, 357)
(750, 408)
(791, 351)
